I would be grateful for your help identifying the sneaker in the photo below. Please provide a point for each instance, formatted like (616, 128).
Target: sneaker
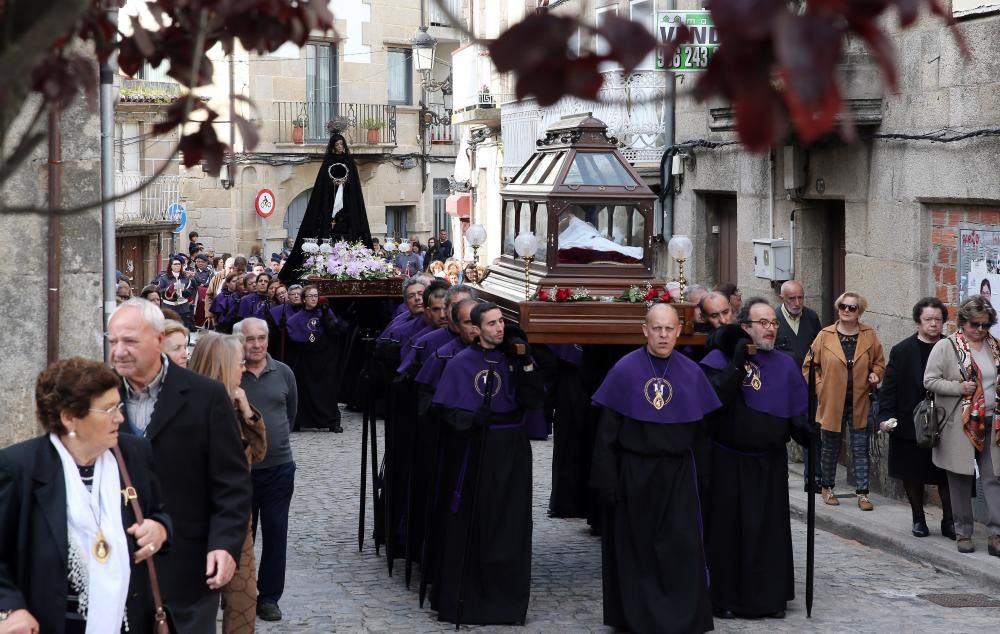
(829, 497)
(965, 545)
(864, 503)
(269, 611)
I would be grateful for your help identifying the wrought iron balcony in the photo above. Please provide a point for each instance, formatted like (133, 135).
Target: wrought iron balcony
(151, 206)
(354, 120)
(437, 17)
(442, 132)
(631, 105)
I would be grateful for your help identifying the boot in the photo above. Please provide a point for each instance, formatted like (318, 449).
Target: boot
(829, 497)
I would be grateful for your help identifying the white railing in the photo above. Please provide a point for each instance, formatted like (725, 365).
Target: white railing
(437, 17)
(150, 205)
(632, 106)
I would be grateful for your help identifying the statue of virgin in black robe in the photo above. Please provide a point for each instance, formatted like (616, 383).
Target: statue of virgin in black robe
(349, 222)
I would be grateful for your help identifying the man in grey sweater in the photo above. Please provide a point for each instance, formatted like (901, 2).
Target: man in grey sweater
(270, 387)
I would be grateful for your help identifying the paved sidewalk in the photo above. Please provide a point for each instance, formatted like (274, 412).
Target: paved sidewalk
(889, 526)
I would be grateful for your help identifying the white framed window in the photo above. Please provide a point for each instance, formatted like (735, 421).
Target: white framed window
(400, 75)
(643, 12)
(600, 44)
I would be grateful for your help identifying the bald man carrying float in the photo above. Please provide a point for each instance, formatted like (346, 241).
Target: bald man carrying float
(646, 470)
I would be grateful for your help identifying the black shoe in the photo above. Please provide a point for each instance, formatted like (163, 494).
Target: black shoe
(724, 614)
(337, 429)
(920, 529)
(780, 614)
(948, 530)
(269, 611)
(993, 545)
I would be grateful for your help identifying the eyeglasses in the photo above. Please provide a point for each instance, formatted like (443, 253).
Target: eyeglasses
(110, 411)
(851, 308)
(312, 296)
(764, 323)
(979, 325)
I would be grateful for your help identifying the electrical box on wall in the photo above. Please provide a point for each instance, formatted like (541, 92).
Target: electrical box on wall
(772, 259)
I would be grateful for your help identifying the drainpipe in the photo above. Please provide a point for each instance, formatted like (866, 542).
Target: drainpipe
(54, 234)
(669, 138)
(108, 188)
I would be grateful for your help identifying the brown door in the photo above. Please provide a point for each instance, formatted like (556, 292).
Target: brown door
(725, 208)
(834, 257)
(132, 260)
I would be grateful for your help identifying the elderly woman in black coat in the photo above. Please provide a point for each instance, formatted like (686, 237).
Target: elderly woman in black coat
(72, 555)
(902, 389)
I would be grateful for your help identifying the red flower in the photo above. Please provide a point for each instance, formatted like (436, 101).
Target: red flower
(563, 294)
(650, 294)
(543, 296)
(666, 296)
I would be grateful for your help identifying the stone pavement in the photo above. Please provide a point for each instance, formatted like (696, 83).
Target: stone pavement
(333, 588)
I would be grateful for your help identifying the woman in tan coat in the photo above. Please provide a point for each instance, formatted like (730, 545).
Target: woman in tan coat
(962, 372)
(849, 362)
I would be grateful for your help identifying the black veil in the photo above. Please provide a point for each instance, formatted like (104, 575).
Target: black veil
(350, 223)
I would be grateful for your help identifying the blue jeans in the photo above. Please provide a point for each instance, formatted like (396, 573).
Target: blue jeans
(272, 497)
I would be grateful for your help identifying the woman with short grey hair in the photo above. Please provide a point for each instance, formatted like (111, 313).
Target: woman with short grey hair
(962, 372)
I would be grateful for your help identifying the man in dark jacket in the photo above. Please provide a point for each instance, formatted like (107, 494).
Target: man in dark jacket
(797, 327)
(191, 424)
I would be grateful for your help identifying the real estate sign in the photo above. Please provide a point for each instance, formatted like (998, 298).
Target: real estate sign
(695, 55)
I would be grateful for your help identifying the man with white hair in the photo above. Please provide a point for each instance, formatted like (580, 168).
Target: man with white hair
(270, 387)
(190, 422)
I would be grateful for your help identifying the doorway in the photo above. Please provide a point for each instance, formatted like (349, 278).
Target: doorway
(820, 254)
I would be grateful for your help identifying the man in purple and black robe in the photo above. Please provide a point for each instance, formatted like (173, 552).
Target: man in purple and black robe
(747, 527)
(646, 465)
(484, 571)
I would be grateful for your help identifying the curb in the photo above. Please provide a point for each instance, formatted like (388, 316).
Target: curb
(887, 528)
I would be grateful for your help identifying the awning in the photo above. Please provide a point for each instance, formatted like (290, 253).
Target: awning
(459, 205)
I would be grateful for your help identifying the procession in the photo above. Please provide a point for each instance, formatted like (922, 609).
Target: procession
(429, 316)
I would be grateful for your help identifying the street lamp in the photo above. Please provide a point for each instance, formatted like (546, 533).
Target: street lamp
(526, 245)
(680, 249)
(476, 235)
(424, 46)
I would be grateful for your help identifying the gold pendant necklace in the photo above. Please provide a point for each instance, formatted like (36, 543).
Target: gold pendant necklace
(659, 384)
(102, 549)
(753, 374)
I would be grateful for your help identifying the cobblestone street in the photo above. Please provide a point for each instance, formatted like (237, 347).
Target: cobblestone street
(333, 588)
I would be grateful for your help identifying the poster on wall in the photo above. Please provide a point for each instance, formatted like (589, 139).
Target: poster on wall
(979, 265)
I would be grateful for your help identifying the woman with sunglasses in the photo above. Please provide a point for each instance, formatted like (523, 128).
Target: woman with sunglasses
(849, 362)
(962, 372)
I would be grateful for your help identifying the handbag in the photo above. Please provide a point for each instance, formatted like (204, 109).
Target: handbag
(162, 623)
(875, 437)
(928, 419)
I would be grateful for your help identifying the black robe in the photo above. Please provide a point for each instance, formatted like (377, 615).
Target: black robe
(496, 584)
(747, 524)
(653, 561)
(350, 223)
(572, 442)
(315, 368)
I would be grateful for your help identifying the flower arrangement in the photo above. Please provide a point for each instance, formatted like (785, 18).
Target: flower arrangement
(556, 294)
(343, 261)
(647, 294)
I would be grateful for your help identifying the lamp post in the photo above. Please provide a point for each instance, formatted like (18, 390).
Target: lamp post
(526, 245)
(476, 235)
(680, 249)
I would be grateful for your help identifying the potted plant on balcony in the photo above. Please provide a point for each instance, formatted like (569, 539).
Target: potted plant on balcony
(299, 128)
(374, 126)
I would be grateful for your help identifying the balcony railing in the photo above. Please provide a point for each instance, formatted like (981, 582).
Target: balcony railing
(351, 118)
(631, 106)
(437, 17)
(149, 206)
(441, 133)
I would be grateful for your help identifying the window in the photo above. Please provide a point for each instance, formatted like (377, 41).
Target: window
(642, 12)
(395, 222)
(321, 87)
(296, 211)
(600, 44)
(159, 73)
(399, 62)
(441, 206)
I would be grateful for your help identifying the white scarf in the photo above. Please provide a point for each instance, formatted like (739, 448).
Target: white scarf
(102, 600)
(338, 200)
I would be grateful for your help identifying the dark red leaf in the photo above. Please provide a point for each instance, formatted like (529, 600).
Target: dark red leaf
(807, 50)
(248, 131)
(630, 42)
(880, 47)
(531, 42)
